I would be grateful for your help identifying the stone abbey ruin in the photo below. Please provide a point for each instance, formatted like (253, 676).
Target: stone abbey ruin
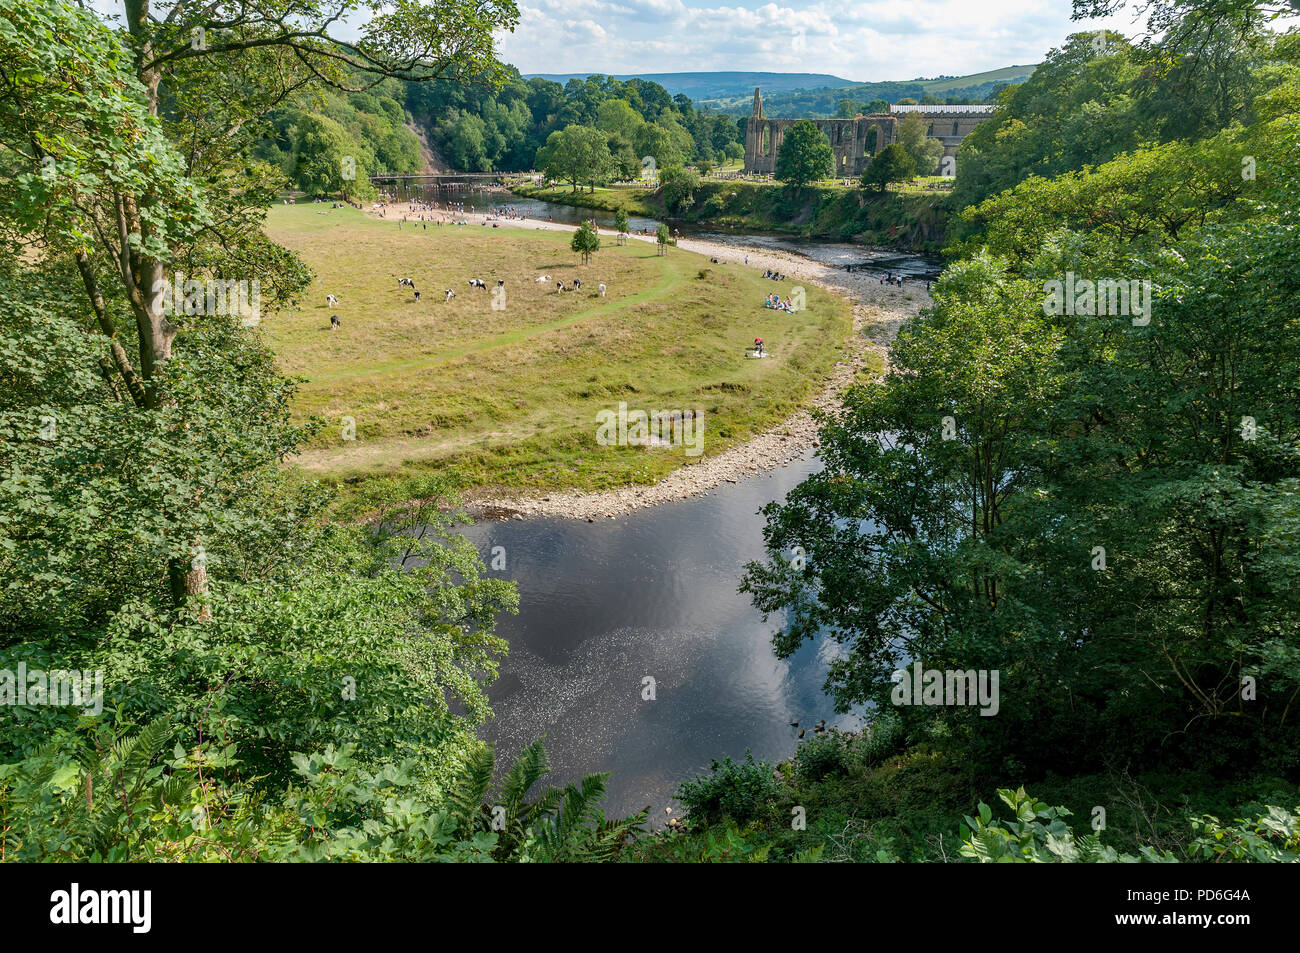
(853, 140)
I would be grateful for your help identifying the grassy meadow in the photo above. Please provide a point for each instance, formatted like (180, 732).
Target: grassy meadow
(508, 398)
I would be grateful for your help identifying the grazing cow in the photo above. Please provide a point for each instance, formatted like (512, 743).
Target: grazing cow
(334, 322)
(478, 283)
(501, 282)
(331, 300)
(559, 287)
(417, 296)
(601, 288)
(542, 279)
(577, 284)
(403, 281)
(450, 294)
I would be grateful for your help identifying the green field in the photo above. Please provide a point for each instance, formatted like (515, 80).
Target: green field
(508, 398)
(1007, 74)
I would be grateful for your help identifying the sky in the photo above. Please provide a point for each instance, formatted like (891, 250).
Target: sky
(860, 40)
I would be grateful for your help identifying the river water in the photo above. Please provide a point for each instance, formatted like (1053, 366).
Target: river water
(653, 594)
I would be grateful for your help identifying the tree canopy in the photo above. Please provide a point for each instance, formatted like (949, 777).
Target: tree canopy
(805, 155)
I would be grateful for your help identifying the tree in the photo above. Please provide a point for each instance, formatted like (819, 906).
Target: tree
(925, 152)
(662, 238)
(221, 69)
(621, 223)
(652, 139)
(616, 115)
(805, 155)
(679, 187)
(627, 165)
(890, 164)
(576, 154)
(328, 161)
(586, 241)
(847, 109)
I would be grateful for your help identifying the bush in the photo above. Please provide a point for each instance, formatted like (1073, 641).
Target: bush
(715, 204)
(740, 790)
(679, 187)
(1039, 834)
(884, 737)
(820, 756)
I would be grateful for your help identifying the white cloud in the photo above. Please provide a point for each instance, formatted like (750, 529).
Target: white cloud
(871, 40)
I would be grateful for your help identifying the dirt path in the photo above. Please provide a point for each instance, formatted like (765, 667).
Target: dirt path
(878, 312)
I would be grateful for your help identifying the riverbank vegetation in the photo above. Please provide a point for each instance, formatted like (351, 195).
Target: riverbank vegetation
(907, 218)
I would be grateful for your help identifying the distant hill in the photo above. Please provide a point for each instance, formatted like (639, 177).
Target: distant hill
(721, 85)
(1008, 74)
(814, 95)
(821, 102)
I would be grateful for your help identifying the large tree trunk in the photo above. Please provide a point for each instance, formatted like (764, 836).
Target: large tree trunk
(140, 276)
(189, 580)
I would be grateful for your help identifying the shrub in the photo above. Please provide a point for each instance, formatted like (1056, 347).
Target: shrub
(820, 756)
(740, 790)
(884, 737)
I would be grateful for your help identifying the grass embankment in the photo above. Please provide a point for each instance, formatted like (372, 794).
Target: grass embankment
(508, 399)
(633, 201)
(908, 218)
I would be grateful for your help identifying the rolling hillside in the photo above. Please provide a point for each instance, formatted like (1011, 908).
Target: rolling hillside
(718, 85)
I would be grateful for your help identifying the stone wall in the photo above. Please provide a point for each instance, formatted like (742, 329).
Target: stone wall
(849, 137)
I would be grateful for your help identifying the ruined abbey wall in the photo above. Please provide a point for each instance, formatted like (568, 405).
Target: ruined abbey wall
(851, 139)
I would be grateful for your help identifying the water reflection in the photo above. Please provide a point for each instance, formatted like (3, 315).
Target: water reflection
(605, 604)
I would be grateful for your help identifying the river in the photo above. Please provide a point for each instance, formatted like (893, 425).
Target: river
(605, 605)
(653, 594)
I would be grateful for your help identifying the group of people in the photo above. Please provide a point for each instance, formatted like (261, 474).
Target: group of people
(774, 302)
(769, 273)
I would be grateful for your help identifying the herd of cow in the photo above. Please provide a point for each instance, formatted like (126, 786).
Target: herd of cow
(332, 300)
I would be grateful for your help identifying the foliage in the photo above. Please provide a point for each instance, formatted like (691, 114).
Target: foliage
(586, 241)
(483, 129)
(1270, 837)
(1098, 96)
(576, 154)
(821, 755)
(679, 186)
(1037, 835)
(805, 155)
(740, 790)
(924, 152)
(1040, 835)
(127, 799)
(891, 164)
